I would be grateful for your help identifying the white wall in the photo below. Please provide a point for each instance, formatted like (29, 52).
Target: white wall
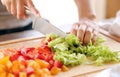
(100, 8)
(61, 12)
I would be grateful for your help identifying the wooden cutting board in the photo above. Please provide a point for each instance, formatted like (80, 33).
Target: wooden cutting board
(75, 71)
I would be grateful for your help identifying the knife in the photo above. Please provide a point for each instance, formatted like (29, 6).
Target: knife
(43, 26)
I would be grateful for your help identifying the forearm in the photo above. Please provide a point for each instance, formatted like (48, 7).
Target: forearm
(84, 9)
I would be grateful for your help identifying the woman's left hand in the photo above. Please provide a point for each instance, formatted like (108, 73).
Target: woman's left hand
(85, 30)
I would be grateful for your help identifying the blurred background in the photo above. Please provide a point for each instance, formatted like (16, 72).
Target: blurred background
(61, 12)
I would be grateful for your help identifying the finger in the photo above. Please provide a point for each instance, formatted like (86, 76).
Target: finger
(8, 5)
(13, 7)
(95, 34)
(20, 9)
(27, 16)
(32, 7)
(75, 28)
(81, 32)
(88, 35)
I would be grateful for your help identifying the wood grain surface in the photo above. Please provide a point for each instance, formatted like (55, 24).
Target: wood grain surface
(78, 71)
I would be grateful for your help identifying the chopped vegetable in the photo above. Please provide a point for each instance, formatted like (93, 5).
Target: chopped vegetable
(71, 52)
(70, 59)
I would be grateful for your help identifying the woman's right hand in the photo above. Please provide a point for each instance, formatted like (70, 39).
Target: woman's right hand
(16, 7)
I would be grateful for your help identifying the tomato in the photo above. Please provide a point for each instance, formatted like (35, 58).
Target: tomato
(29, 70)
(45, 47)
(29, 55)
(41, 56)
(21, 58)
(30, 49)
(14, 57)
(26, 50)
(16, 74)
(49, 57)
(41, 50)
(51, 64)
(58, 64)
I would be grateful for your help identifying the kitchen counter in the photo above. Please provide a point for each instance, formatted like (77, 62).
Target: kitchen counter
(18, 35)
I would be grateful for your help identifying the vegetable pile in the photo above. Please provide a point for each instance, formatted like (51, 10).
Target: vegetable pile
(71, 52)
(29, 62)
(52, 56)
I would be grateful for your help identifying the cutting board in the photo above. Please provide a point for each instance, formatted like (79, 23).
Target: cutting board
(75, 71)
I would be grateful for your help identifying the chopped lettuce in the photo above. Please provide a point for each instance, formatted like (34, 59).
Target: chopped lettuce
(61, 46)
(72, 40)
(70, 59)
(71, 52)
(52, 36)
(55, 41)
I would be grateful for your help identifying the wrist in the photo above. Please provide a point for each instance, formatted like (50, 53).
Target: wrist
(90, 16)
(85, 11)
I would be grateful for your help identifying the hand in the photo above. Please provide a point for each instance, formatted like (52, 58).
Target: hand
(85, 30)
(16, 7)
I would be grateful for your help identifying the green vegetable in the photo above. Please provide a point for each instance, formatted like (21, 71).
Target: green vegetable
(70, 59)
(55, 41)
(70, 51)
(61, 46)
(72, 40)
(52, 36)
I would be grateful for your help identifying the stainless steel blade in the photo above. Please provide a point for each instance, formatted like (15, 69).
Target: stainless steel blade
(45, 27)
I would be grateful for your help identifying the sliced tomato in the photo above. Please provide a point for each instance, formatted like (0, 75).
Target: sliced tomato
(29, 70)
(51, 64)
(28, 53)
(41, 56)
(58, 64)
(41, 50)
(16, 73)
(14, 57)
(49, 57)
(30, 49)
(45, 47)
(20, 58)
(26, 50)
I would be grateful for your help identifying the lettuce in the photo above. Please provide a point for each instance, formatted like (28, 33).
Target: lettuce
(55, 41)
(70, 59)
(69, 51)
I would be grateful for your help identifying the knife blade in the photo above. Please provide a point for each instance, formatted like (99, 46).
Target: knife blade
(43, 26)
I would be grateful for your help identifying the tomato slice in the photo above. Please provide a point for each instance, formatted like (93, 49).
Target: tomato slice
(51, 64)
(45, 47)
(58, 64)
(14, 57)
(29, 70)
(26, 50)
